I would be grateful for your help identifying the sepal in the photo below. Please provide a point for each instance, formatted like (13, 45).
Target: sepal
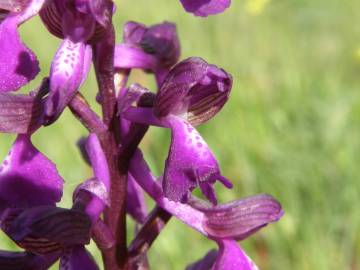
(193, 89)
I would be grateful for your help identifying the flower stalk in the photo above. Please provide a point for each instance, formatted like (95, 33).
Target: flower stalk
(189, 93)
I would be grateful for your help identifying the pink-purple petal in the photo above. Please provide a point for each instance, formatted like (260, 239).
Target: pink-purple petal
(157, 46)
(162, 41)
(20, 113)
(133, 33)
(193, 89)
(28, 178)
(184, 212)
(231, 256)
(99, 186)
(144, 116)
(204, 263)
(98, 160)
(239, 219)
(87, 63)
(204, 8)
(66, 75)
(18, 64)
(128, 56)
(100, 10)
(190, 163)
(25, 261)
(135, 201)
(77, 258)
(47, 229)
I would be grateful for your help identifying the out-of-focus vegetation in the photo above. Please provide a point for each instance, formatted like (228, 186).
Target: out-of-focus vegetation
(291, 127)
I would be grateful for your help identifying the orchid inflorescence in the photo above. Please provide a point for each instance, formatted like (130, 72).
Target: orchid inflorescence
(190, 93)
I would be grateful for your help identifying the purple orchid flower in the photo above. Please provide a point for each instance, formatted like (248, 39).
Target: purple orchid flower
(155, 48)
(76, 24)
(223, 223)
(191, 94)
(204, 8)
(34, 222)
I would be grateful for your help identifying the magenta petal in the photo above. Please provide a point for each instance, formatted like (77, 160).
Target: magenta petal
(46, 229)
(190, 163)
(135, 201)
(143, 116)
(28, 178)
(77, 258)
(128, 56)
(159, 41)
(98, 187)
(184, 212)
(102, 235)
(98, 160)
(162, 41)
(66, 75)
(131, 95)
(101, 10)
(231, 257)
(13, 5)
(3, 14)
(194, 89)
(241, 218)
(205, 263)
(24, 261)
(20, 113)
(16, 260)
(77, 26)
(18, 64)
(87, 63)
(91, 197)
(95, 187)
(133, 33)
(204, 8)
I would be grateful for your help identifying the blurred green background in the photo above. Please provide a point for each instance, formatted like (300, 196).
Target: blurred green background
(291, 127)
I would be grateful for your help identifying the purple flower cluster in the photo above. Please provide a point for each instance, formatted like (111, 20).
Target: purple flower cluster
(190, 92)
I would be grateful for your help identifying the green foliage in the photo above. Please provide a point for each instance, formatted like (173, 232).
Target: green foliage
(291, 127)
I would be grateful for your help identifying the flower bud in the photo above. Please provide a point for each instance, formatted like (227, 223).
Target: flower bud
(148, 48)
